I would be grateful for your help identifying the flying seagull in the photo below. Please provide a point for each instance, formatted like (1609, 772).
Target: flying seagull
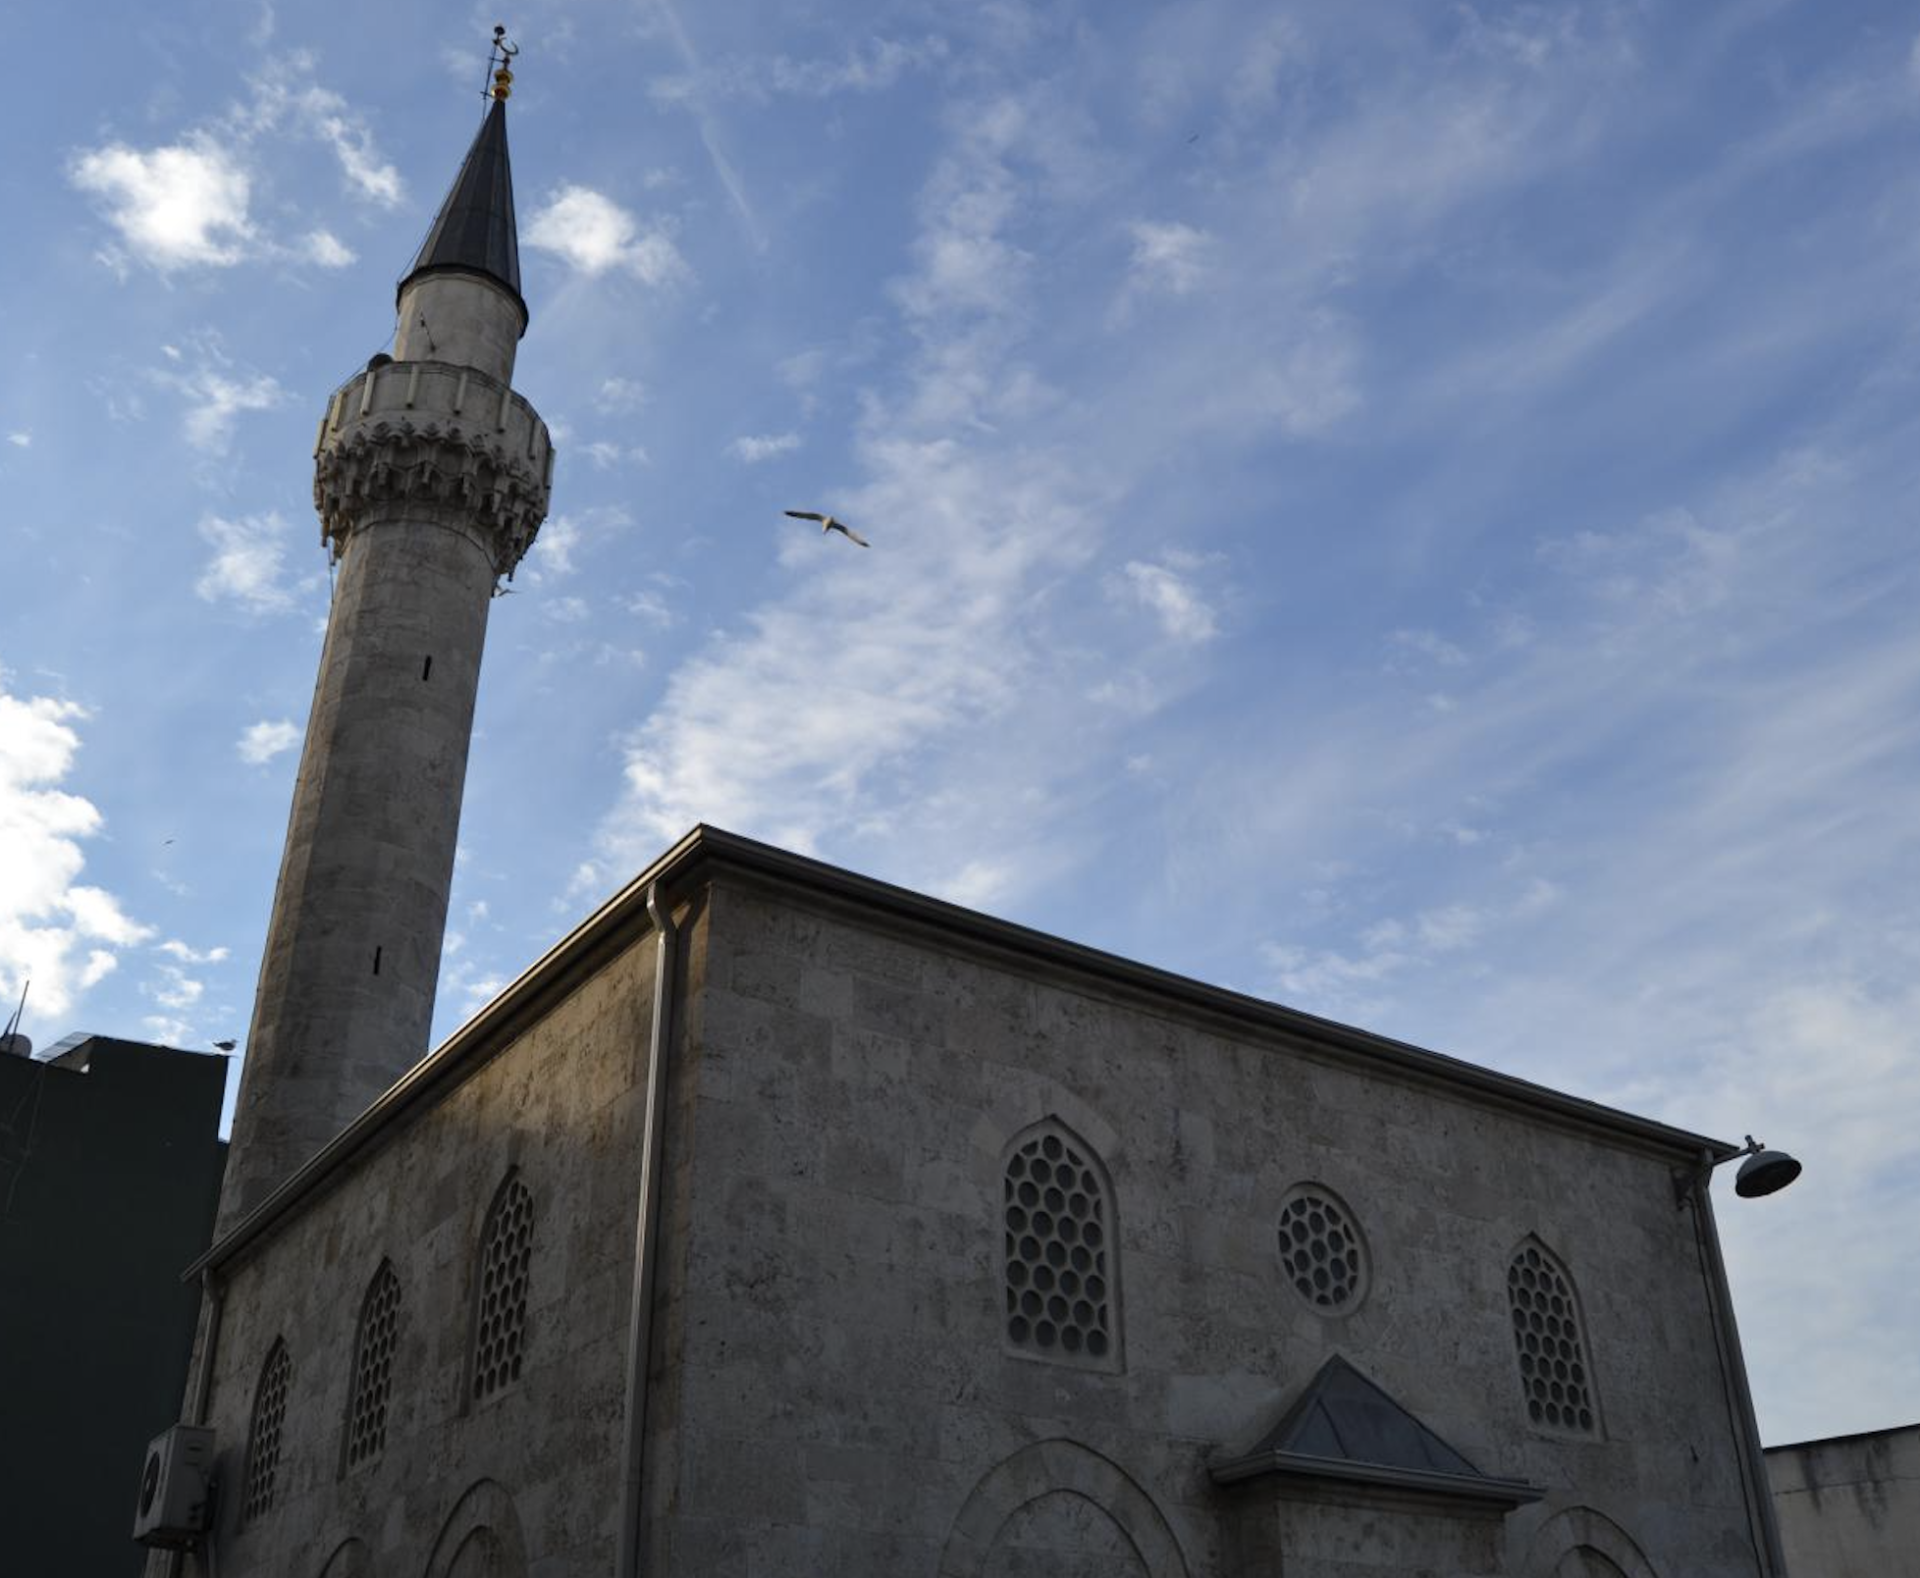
(828, 523)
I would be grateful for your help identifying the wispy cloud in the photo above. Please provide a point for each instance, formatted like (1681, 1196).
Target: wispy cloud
(1169, 256)
(752, 450)
(594, 234)
(619, 396)
(1166, 589)
(248, 567)
(260, 742)
(189, 203)
(328, 250)
(872, 65)
(698, 103)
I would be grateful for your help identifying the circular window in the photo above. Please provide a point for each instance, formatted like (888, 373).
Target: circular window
(1322, 1251)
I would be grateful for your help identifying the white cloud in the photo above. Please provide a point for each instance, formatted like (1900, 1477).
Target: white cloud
(249, 562)
(54, 930)
(175, 989)
(173, 948)
(328, 250)
(1169, 257)
(605, 455)
(214, 399)
(1184, 615)
(352, 143)
(286, 98)
(566, 610)
(175, 207)
(164, 1030)
(753, 450)
(620, 395)
(188, 203)
(595, 234)
(260, 742)
(654, 607)
(20, 439)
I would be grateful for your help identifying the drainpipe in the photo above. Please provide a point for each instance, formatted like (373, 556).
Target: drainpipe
(646, 1236)
(1753, 1463)
(215, 1297)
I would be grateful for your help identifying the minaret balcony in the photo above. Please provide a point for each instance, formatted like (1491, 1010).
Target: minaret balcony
(434, 442)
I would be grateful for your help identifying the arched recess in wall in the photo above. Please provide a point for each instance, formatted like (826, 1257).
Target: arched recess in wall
(481, 1537)
(1055, 1489)
(349, 1560)
(1578, 1542)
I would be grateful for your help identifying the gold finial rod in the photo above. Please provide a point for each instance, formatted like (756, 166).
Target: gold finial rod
(499, 65)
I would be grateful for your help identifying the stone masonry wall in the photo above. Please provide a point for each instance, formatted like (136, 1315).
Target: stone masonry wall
(560, 1107)
(846, 1399)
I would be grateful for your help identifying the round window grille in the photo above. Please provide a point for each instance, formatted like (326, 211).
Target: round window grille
(263, 1439)
(373, 1368)
(506, 1256)
(1546, 1334)
(1321, 1251)
(1058, 1243)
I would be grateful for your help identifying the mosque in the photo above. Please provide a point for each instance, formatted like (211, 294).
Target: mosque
(781, 1222)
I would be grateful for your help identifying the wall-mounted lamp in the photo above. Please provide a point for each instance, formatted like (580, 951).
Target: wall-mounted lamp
(1763, 1172)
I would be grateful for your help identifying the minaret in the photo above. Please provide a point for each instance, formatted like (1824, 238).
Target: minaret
(431, 477)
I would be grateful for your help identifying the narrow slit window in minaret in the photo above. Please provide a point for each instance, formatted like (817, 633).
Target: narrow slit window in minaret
(376, 961)
(426, 668)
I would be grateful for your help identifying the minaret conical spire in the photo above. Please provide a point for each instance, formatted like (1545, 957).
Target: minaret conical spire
(474, 232)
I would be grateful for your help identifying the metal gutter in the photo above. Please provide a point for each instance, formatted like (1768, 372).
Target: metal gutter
(1752, 1462)
(646, 1239)
(708, 851)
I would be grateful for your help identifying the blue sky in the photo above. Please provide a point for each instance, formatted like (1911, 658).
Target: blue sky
(1405, 510)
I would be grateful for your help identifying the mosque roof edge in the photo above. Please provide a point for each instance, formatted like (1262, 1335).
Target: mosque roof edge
(705, 851)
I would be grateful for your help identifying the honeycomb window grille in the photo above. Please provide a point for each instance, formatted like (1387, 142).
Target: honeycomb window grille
(1555, 1371)
(500, 1313)
(1322, 1250)
(1059, 1251)
(264, 1432)
(373, 1367)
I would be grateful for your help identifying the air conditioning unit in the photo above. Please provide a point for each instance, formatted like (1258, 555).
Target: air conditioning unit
(175, 1487)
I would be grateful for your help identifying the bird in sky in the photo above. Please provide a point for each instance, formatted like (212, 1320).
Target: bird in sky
(828, 523)
(226, 1046)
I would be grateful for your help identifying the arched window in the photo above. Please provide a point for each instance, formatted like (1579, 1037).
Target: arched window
(263, 1433)
(1058, 1258)
(1555, 1371)
(500, 1300)
(373, 1366)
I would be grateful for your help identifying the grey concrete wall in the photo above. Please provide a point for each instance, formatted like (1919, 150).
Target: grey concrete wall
(845, 1387)
(1850, 1507)
(530, 1470)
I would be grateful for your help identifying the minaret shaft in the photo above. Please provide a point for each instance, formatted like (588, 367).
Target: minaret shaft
(431, 477)
(345, 1003)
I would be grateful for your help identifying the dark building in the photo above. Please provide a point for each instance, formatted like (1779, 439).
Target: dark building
(110, 1167)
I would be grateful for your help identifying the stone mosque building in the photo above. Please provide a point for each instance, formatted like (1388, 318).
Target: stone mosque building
(779, 1223)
